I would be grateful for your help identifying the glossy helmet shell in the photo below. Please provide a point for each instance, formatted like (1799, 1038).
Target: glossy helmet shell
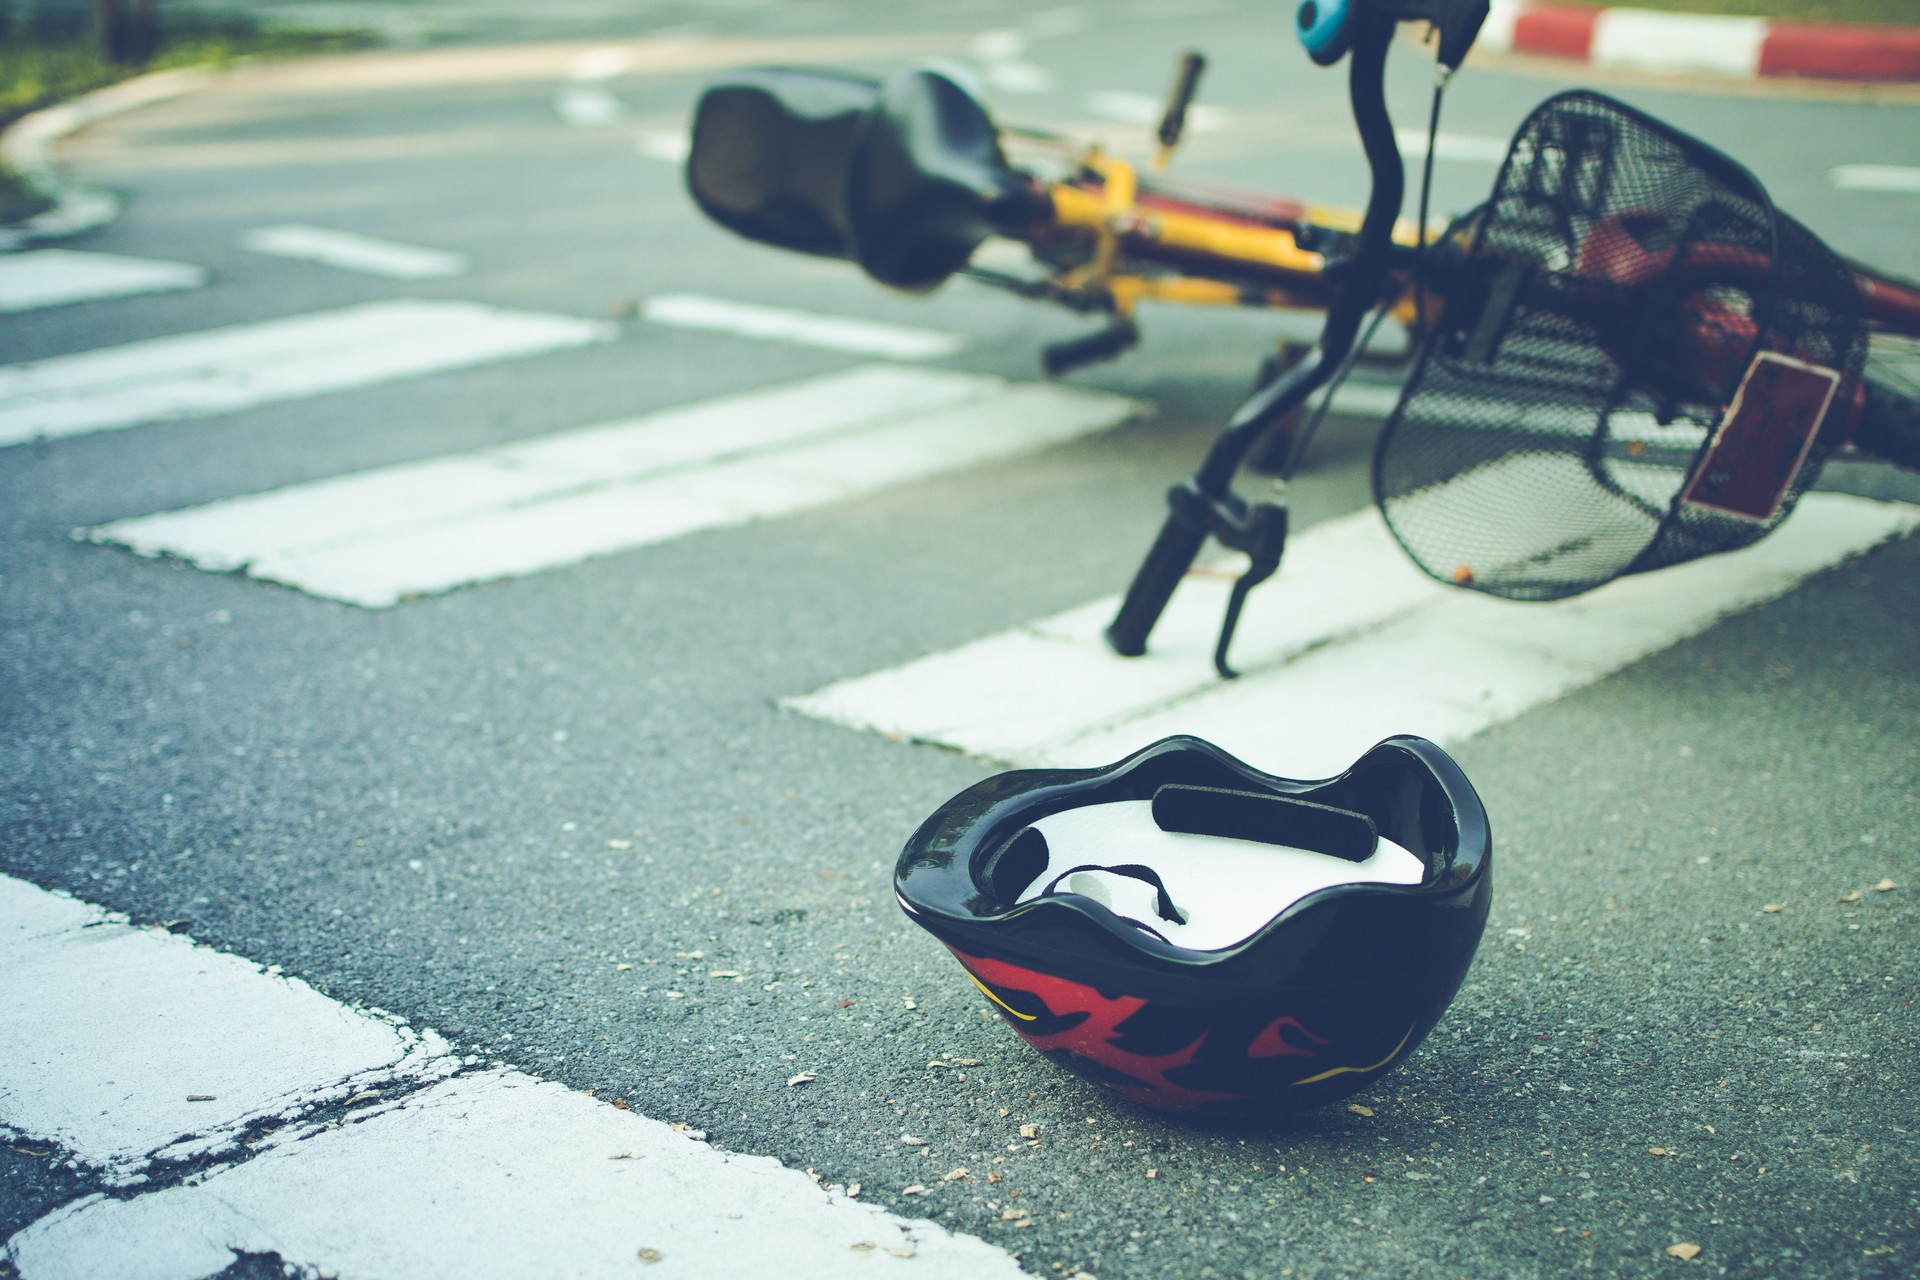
(1329, 994)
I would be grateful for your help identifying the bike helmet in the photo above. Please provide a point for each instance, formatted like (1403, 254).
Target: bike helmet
(1198, 936)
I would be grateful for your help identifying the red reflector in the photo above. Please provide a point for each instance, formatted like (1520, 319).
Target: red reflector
(1763, 440)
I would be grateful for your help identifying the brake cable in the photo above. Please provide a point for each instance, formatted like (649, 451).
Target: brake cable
(1296, 453)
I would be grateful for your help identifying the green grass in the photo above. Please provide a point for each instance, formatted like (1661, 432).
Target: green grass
(36, 71)
(40, 67)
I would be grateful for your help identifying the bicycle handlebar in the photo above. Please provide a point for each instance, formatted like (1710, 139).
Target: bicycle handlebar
(1172, 554)
(1206, 503)
(1459, 22)
(1327, 27)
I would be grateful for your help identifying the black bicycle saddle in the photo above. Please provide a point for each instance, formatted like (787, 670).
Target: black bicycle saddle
(770, 152)
(927, 182)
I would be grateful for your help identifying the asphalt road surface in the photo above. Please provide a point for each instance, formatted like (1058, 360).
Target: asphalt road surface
(549, 803)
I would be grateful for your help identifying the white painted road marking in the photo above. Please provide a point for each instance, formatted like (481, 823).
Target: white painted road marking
(1473, 148)
(587, 106)
(1001, 55)
(1014, 75)
(53, 277)
(1350, 644)
(489, 1173)
(1143, 108)
(352, 252)
(1876, 177)
(670, 145)
(379, 537)
(808, 328)
(1364, 399)
(586, 103)
(997, 45)
(220, 370)
(113, 1088)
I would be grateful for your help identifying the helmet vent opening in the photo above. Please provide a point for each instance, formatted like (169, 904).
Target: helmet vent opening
(1015, 865)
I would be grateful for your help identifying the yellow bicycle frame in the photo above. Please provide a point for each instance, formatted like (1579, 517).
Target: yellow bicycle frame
(1288, 276)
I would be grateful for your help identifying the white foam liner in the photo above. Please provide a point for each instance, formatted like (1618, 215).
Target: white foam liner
(1227, 888)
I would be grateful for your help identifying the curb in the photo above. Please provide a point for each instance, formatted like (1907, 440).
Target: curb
(27, 146)
(1751, 48)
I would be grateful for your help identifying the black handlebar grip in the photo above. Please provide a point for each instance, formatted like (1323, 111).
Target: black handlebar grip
(1180, 540)
(1174, 122)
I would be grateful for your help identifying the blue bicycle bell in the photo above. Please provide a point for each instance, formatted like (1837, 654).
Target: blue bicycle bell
(1325, 27)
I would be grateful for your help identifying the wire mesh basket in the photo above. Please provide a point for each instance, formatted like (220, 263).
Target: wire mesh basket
(1639, 362)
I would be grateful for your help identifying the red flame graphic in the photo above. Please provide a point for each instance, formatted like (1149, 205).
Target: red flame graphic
(1093, 1038)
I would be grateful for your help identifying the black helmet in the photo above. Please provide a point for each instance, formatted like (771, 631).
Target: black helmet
(1198, 936)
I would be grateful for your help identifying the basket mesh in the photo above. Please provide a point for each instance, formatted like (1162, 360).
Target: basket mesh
(1613, 293)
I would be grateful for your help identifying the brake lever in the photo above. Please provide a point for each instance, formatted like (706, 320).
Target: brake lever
(1263, 538)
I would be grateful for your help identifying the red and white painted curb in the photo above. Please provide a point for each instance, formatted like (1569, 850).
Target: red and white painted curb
(1750, 47)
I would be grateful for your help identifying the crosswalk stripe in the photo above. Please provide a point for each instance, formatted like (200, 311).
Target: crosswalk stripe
(1001, 56)
(1365, 399)
(808, 328)
(53, 277)
(1016, 75)
(671, 145)
(379, 537)
(587, 105)
(1350, 644)
(219, 370)
(133, 1068)
(1876, 177)
(1131, 107)
(190, 1055)
(1473, 148)
(353, 252)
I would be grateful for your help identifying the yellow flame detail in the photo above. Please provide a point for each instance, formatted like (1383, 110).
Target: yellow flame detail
(1024, 1017)
(1337, 1071)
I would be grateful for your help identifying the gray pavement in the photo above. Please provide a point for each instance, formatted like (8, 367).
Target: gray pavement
(516, 813)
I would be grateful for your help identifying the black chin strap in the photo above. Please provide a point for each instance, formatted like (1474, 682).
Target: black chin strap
(1258, 816)
(1163, 902)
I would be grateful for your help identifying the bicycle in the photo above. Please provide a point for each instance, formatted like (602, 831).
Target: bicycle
(774, 150)
(1626, 328)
